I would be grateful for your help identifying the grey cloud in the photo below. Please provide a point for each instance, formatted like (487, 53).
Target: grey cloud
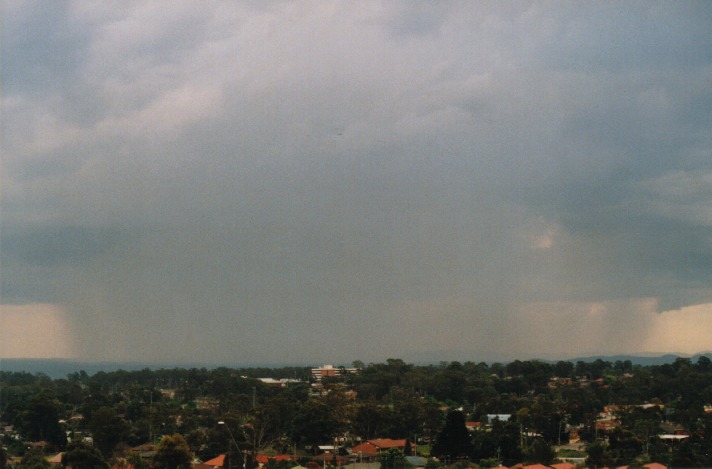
(41, 50)
(382, 172)
(58, 245)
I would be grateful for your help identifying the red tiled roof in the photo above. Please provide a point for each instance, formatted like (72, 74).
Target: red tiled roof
(374, 446)
(56, 459)
(364, 448)
(263, 458)
(326, 457)
(563, 465)
(385, 443)
(36, 444)
(217, 461)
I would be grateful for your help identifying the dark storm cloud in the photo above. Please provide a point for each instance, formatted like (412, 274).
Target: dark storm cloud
(57, 245)
(358, 180)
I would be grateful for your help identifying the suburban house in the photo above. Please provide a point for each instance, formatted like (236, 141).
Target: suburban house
(369, 449)
(216, 463)
(472, 426)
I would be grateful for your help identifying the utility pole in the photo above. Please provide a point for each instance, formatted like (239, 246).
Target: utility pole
(237, 447)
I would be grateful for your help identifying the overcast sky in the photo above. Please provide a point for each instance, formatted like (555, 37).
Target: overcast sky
(321, 182)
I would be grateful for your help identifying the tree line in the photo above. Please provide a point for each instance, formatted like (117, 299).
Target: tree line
(206, 412)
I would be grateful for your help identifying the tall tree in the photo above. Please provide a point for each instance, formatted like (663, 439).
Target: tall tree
(369, 419)
(540, 452)
(598, 455)
(173, 453)
(34, 459)
(40, 420)
(108, 430)
(454, 441)
(82, 456)
(316, 422)
(501, 443)
(393, 458)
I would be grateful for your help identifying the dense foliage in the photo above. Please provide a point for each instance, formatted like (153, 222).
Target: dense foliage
(202, 413)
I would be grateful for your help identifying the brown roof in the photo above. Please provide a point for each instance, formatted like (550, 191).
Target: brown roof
(56, 459)
(364, 448)
(375, 446)
(217, 461)
(264, 458)
(563, 465)
(385, 443)
(36, 444)
(327, 457)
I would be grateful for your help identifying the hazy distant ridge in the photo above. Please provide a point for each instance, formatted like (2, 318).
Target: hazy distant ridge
(643, 360)
(60, 368)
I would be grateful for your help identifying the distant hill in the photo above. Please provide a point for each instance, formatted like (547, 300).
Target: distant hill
(60, 368)
(644, 360)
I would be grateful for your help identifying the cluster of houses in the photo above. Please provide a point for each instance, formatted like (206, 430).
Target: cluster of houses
(568, 465)
(365, 453)
(218, 463)
(362, 456)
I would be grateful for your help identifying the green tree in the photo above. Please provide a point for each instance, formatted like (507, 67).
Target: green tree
(82, 456)
(108, 430)
(563, 369)
(501, 443)
(34, 459)
(624, 446)
(645, 424)
(598, 455)
(540, 452)
(432, 418)
(316, 422)
(172, 453)
(369, 419)
(137, 461)
(704, 363)
(393, 458)
(40, 420)
(453, 442)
